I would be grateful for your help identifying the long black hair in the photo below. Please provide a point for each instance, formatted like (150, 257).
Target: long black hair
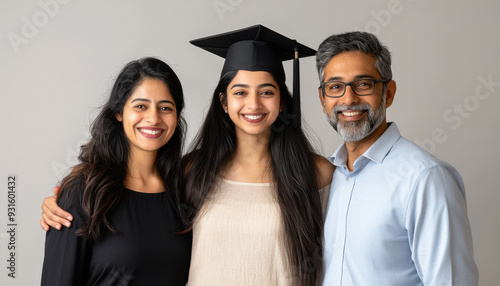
(293, 169)
(103, 160)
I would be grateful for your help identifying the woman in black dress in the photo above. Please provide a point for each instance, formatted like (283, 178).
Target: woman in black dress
(123, 193)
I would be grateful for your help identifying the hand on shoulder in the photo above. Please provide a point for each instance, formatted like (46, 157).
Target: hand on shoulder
(52, 214)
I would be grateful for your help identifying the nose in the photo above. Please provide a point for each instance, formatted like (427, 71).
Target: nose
(350, 97)
(254, 100)
(152, 116)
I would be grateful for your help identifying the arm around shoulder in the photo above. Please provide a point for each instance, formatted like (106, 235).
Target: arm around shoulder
(52, 214)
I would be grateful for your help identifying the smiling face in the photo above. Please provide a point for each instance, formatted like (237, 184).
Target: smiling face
(252, 102)
(149, 116)
(356, 118)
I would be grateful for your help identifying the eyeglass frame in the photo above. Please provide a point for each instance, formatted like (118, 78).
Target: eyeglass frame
(375, 81)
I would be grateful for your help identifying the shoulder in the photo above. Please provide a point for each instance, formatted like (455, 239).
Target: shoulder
(325, 171)
(410, 154)
(422, 168)
(71, 194)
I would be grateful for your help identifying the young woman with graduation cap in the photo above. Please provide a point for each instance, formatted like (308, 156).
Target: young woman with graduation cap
(252, 178)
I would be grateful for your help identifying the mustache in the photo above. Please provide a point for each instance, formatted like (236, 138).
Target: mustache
(340, 108)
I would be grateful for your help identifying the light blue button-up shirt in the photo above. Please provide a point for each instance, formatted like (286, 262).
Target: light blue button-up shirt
(399, 218)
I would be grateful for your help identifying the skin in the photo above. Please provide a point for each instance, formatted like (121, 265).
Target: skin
(248, 94)
(254, 94)
(251, 95)
(348, 66)
(150, 107)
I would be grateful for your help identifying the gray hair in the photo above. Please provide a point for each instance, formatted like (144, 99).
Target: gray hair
(354, 41)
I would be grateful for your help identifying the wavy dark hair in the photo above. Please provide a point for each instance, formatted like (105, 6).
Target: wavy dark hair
(103, 160)
(293, 168)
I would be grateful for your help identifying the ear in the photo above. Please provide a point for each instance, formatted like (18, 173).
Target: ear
(390, 93)
(119, 117)
(321, 99)
(223, 101)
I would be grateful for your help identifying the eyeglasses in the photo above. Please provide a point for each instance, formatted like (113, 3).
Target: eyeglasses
(360, 87)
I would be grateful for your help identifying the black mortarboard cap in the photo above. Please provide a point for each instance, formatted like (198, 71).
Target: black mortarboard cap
(258, 48)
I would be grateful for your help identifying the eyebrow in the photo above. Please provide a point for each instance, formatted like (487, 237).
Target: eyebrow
(147, 100)
(361, 76)
(247, 86)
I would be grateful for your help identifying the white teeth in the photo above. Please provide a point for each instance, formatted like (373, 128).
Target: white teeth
(351, 113)
(150, 132)
(253, 117)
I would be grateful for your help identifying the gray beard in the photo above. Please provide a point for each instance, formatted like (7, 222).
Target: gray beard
(353, 131)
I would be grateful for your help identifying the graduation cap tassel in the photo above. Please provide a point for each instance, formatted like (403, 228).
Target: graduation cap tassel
(296, 90)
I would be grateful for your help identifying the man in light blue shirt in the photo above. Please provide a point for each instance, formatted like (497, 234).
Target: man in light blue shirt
(396, 215)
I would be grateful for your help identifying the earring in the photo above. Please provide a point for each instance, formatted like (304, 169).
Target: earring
(225, 110)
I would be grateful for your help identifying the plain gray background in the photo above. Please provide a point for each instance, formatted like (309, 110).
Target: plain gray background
(60, 58)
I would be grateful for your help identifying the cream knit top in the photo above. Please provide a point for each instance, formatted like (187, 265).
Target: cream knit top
(238, 238)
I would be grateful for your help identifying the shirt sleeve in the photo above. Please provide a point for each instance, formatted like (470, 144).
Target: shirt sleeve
(439, 231)
(67, 255)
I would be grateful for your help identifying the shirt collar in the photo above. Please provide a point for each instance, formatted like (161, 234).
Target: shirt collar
(377, 152)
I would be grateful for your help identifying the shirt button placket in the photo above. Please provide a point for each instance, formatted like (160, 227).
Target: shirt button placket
(341, 244)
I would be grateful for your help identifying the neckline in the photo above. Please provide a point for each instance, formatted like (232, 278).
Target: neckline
(143, 193)
(246, 183)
